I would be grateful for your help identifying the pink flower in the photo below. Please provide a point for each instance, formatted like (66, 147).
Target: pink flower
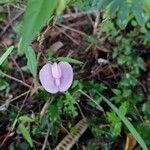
(56, 77)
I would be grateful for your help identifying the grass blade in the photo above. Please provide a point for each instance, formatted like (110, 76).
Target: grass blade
(5, 55)
(126, 122)
(123, 119)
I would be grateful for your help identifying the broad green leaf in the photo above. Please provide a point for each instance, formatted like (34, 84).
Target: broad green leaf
(5, 55)
(146, 3)
(123, 13)
(126, 122)
(70, 60)
(100, 4)
(38, 12)
(32, 62)
(138, 12)
(25, 134)
(25, 119)
(114, 6)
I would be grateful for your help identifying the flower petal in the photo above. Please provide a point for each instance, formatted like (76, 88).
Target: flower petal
(67, 76)
(56, 71)
(47, 80)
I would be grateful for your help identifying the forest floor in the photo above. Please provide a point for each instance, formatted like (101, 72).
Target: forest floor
(75, 35)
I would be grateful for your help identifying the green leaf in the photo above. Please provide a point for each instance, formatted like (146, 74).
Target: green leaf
(32, 62)
(138, 12)
(38, 12)
(123, 13)
(146, 109)
(100, 4)
(126, 93)
(109, 28)
(5, 55)
(91, 39)
(53, 113)
(114, 6)
(124, 107)
(116, 91)
(25, 119)
(70, 60)
(69, 104)
(146, 3)
(3, 85)
(91, 147)
(61, 6)
(49, 55)
(121, 60)
(126, 122)
(25, 134)
(144, 130)
(116, 123)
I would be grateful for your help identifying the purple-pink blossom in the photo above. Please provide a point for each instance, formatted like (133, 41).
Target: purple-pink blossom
(56, 77)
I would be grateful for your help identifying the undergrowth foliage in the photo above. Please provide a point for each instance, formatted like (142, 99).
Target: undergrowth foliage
(125, 24)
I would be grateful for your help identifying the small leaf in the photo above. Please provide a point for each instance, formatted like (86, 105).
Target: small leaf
(25, 119)
(3, 85)
(126, 93)
(116, 91)
(121, 60)
(123, 13)
(90, 39)
(70, 60)
(5, 55)
(32, 62)
(138, 12)
(53, 114)
(146, 109)
(61, 6)
(25, 134)
(124, 107)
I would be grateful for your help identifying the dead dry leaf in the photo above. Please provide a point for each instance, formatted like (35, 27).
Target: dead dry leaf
(130, 142)
(56, 46)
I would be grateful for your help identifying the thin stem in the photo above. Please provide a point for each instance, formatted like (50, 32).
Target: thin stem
(15, 79)
(46, 138)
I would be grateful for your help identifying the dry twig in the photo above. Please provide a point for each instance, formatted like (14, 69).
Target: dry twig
(10, 22)
(15, 79)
